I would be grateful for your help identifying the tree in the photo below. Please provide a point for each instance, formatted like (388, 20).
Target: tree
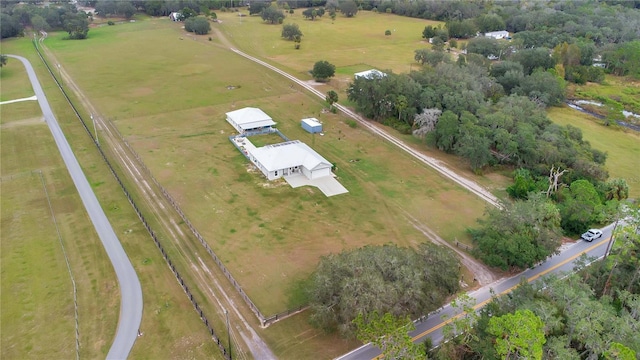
(349, 8)
(519, 335)
(578, 206)
(272, 15)
(256, 7)
(428, 32)
(312, 13)
(390, 334)
(616, 189)
(437, 44)
(523, 184)
(331, 98)
(198, 25)
(490, 22)
(387, 279)
(291, 31)
(542, 87)
(39, 23)
(77, 26)
(426, 121)
(461, 29)
(187, 13)
(446, 131)
(323, 70)
(3, 60)
(484, 46)
(531, 59)
(9, 26)
(520, 235)
(126, 9)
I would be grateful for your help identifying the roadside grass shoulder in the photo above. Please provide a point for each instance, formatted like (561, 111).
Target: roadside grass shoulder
(621, 145)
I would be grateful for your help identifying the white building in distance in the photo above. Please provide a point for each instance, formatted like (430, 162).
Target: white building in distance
(370, 74)
(250, 119)
(502, 34)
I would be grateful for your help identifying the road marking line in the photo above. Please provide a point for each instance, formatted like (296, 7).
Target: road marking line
(534, 277)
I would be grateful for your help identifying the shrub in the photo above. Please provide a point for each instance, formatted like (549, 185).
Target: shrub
(110, 23)
(387, 32)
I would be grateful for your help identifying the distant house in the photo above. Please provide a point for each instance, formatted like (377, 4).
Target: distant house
(289, 158)
(250, 119)
(175, 16)
(370, 74)
(502, 34)
(311, 125)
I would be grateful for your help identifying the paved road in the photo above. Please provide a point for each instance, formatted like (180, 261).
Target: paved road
(433, 324)
(130, 290)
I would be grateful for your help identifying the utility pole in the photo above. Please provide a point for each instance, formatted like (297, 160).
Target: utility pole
(95, 129)
(226, 313)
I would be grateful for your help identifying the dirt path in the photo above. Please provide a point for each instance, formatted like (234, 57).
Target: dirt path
(207, 275)
(482, 273)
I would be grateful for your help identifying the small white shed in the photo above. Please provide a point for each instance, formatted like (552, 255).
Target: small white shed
(311, 125)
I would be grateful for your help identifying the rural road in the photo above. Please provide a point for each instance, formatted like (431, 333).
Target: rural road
(472, 186)
(433, 324)
(130, 289)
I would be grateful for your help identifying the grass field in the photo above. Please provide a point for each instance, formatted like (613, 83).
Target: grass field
(268, 234)
(621, 145)
(36, 317)
(354, 43)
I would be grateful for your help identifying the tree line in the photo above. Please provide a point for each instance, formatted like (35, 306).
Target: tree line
(591, 314)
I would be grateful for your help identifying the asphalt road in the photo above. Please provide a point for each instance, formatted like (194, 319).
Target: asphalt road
(433, 324)
(130, 289)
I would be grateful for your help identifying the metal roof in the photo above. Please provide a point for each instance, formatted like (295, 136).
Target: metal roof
(250, 118)
(289, 154)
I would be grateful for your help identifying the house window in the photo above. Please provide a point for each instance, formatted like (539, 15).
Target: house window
(276, 173)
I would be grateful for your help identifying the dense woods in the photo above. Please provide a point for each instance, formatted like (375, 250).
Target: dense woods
(384, 279)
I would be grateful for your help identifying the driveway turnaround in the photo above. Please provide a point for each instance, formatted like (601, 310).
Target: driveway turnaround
(130, 290)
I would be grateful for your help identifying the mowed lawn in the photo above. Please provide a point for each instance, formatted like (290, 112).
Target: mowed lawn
(168, 93)
(36, 304)
(355, 44)
(621, 145)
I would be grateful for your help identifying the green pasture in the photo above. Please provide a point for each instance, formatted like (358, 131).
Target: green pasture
(35, 316)
(268, 234)
(357, 43)
(33, 272)
(623, 91)
(621, 145)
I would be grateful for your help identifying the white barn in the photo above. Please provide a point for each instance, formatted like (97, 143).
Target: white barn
(502, 34)
(289, 158)
(249, 119)
(370, 74)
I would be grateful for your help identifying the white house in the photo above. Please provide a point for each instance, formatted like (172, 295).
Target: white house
(502, 34)
(370, 74)
(175, 16)
(289, 158)
(249, 119)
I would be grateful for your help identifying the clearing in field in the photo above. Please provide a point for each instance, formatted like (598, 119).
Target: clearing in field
(268, 235)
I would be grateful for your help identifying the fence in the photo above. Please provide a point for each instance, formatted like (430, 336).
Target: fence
(195, 304)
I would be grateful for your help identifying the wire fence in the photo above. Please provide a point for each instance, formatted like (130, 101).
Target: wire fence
(181, 281)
